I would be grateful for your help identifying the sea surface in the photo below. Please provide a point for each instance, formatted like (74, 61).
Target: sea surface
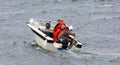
(96, 24)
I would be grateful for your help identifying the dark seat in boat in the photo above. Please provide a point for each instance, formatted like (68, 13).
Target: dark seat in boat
(48, 33)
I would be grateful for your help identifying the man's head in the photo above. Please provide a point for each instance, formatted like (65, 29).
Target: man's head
(60, 19)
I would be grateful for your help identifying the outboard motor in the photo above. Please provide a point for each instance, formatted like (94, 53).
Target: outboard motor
(48, 25)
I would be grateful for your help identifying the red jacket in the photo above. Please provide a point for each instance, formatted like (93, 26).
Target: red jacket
(59, 24)
(56, 33)
(57, 30)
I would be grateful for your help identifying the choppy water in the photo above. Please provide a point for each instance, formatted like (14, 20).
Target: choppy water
(97, 24)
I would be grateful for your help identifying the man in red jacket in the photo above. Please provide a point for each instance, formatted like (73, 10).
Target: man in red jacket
(57, 32)
(58, 29)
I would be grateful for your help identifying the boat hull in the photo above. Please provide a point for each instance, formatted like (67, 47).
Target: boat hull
(45, 41)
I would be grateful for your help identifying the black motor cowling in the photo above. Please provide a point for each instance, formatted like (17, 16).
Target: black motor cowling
(48, 25)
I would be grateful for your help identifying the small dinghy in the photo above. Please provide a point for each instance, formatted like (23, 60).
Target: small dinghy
(44, 36)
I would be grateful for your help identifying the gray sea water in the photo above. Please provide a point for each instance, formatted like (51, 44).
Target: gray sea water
(97, 24)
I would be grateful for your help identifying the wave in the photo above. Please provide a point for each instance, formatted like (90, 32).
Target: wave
(82, 55)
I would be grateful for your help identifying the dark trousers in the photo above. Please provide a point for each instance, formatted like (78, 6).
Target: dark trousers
(64, 42)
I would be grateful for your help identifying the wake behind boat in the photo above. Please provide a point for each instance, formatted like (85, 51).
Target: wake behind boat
(44, 36)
